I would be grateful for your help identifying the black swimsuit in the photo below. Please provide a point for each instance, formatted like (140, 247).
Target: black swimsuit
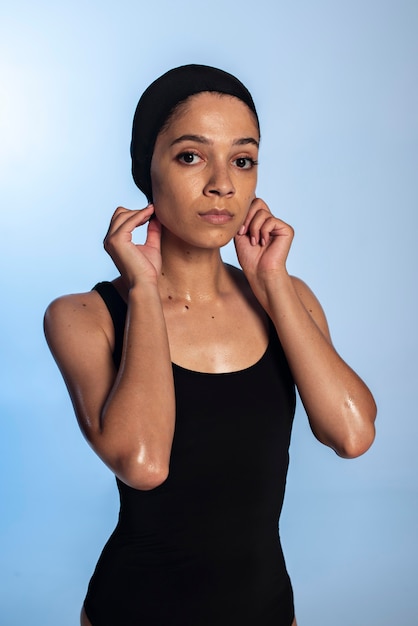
(203, 548)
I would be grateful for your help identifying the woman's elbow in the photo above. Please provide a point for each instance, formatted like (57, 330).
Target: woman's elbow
(359, 428)
(143, 474)
(357, 443)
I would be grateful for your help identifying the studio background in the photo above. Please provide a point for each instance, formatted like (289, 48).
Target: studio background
(335, 84)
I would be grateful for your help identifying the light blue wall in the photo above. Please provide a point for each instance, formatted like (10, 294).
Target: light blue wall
(335, 84)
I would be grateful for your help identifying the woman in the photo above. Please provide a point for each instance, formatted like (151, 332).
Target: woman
(182, 371)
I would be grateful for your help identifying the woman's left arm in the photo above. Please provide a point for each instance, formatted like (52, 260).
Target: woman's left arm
(340, 407)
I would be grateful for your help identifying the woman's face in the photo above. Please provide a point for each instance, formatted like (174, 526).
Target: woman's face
(204, 169)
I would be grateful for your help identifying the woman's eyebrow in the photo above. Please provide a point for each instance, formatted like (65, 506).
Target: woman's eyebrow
(196, 138)
(202, 139)
(246, 140)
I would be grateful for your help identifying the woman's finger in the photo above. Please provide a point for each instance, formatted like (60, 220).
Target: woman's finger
(274, 227)
(154, 234)
(256, 205)
(261, 226)
(128, 219)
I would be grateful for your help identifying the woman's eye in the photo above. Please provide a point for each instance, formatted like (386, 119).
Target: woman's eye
(245, 163)
(190, 158)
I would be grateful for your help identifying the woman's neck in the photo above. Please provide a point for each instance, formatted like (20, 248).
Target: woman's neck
(193, 274)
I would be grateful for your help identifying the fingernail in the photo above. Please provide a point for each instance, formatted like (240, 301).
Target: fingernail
(263, 241)
(241, 230)
(253, 241)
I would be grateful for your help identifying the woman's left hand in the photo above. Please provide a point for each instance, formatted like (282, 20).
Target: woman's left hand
(262, 245)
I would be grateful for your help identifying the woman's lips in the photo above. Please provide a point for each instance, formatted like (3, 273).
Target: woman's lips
(216, 216)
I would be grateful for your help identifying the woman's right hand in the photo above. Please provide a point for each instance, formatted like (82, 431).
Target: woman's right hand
(135, 262)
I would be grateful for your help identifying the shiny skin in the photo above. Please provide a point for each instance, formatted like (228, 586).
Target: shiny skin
(211, 169)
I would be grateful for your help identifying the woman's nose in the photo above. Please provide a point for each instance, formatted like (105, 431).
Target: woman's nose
(219, 182)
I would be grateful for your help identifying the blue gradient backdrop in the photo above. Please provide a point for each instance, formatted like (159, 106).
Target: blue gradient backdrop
(336, 88)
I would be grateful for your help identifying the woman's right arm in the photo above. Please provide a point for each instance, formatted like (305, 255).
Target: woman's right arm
(127, 416)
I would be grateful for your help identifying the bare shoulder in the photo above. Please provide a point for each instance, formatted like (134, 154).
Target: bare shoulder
(79, 333)
(75, 313)
(89, 304)
(304, 291)
(311, 303)
(78, 326)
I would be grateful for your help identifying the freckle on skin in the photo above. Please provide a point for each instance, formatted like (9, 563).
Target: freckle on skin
(170, 297)
(185, 306)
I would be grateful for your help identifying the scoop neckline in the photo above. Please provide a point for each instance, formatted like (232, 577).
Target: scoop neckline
(197, 372)
(232, 373)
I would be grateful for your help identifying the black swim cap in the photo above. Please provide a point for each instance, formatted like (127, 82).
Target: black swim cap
(160, 99)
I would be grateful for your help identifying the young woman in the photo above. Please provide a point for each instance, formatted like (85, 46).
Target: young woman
(182, 371)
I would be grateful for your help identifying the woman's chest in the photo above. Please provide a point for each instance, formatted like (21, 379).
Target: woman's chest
(216, 339)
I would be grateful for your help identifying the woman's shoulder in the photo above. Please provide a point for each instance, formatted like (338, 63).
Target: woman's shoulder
(87, 304)
(305, 293)
(311, 304)
(71, 316)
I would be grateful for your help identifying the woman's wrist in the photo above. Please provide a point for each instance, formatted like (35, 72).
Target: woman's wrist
(271, 285)
(143, 287)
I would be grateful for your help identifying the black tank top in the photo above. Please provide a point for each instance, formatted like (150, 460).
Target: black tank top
(203, 548)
